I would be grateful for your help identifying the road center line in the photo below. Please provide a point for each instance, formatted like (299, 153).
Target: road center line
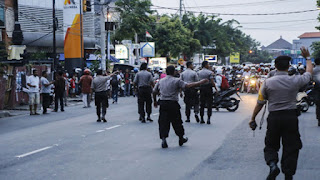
(113, 127)
(34, 152)
(99, 131)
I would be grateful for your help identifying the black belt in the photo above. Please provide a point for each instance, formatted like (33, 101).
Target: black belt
(284, 111)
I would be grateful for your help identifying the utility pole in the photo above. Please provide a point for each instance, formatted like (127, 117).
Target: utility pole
(108, 15)
(180, 9)
(137, 50)
(55, 60)
(81, 33)
(103, 38)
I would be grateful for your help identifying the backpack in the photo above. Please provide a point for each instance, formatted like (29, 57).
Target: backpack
(224, 83)
(114, 81)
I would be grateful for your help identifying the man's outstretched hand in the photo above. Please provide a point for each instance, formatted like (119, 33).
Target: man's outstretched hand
(305, 52)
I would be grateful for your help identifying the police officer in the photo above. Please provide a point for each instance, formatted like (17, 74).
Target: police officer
(280, 91)
(169, 89)
(206, 94)
(191, 97)
(144, 81)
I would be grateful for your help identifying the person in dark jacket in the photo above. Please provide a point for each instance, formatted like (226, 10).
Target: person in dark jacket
(59, 88)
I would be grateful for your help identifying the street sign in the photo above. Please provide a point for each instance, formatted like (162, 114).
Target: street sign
(147, 49)
(211, 58)
(235, 58)
(121, 52)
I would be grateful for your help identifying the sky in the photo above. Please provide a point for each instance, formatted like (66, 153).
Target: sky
(265, 29)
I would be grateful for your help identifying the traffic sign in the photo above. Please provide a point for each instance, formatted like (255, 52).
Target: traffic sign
(235, 58)
(147, 49)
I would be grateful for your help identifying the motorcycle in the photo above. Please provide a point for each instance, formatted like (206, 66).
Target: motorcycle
(245, 83)
(223, 100)
(252, 85)
(302, 102)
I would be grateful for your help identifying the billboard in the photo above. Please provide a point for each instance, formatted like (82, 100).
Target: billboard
(158, 62)
(72, 26)
(211, 58)
(121, 52)
(235, 58)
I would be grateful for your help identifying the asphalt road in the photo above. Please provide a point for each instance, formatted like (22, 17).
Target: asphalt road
(72, 145)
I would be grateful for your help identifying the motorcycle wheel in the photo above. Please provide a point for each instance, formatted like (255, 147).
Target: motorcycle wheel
(234, 107)
(304, 105)
(311, 103)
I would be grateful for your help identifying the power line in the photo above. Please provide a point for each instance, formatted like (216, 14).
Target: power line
(246, 14)
(39, 38)
(273, 22)
(238, 4)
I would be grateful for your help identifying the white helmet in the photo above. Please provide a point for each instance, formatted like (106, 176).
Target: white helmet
(219, 71)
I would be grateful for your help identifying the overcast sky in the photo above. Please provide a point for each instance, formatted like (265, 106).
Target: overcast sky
(259, 27)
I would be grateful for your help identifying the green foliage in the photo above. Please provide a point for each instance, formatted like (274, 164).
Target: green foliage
(38, 55)
(258, 56)
(316, 49)
(94, 66)
(135, 18)
(318, 4)
(172, 38)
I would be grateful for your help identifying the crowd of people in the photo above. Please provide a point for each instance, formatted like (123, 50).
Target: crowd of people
(278, 85)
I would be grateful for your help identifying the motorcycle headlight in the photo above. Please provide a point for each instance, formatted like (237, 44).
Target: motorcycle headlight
(252, 81)
(238, 75)
(247, 77)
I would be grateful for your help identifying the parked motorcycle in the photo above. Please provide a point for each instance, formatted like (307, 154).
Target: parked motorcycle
(224, 100)
(302, 101)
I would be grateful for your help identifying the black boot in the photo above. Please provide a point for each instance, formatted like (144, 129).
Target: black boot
(182, 140)
(197, 118)
(164, 143)
(149, 118)
(202, 121)
(288, 177)
(188, 119)
(274, 171)
(143, 120)
(208, 122)
(319, 123)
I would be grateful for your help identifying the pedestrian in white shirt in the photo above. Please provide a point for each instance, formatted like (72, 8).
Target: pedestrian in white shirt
(34, 95)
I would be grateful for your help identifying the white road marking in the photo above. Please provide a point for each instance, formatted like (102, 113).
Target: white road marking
(99, 131)
(113, 127)
(155, 114)
(34, 152)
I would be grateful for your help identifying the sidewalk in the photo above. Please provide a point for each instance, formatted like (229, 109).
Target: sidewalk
(24, 109)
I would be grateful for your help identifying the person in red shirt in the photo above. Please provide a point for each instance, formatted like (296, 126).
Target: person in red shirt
(127, 83)
(73, 86)
(85, 82)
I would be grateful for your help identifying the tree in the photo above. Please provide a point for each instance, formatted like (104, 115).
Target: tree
(172, 38)
(316, 49)
(135, 18)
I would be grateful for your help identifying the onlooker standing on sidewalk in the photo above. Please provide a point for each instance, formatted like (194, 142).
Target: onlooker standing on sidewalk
(45, 91)
(73, 86)
(99, 86)
(34, 95)
(59, 89)
(127, 81)
(115, 81)
(85, 82)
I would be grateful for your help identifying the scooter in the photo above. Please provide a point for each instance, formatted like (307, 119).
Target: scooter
(223, 100)
(252, 86)
(302, 102)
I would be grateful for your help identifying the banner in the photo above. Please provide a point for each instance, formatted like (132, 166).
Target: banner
(73, 39)
(211, 58)
(235, 58)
